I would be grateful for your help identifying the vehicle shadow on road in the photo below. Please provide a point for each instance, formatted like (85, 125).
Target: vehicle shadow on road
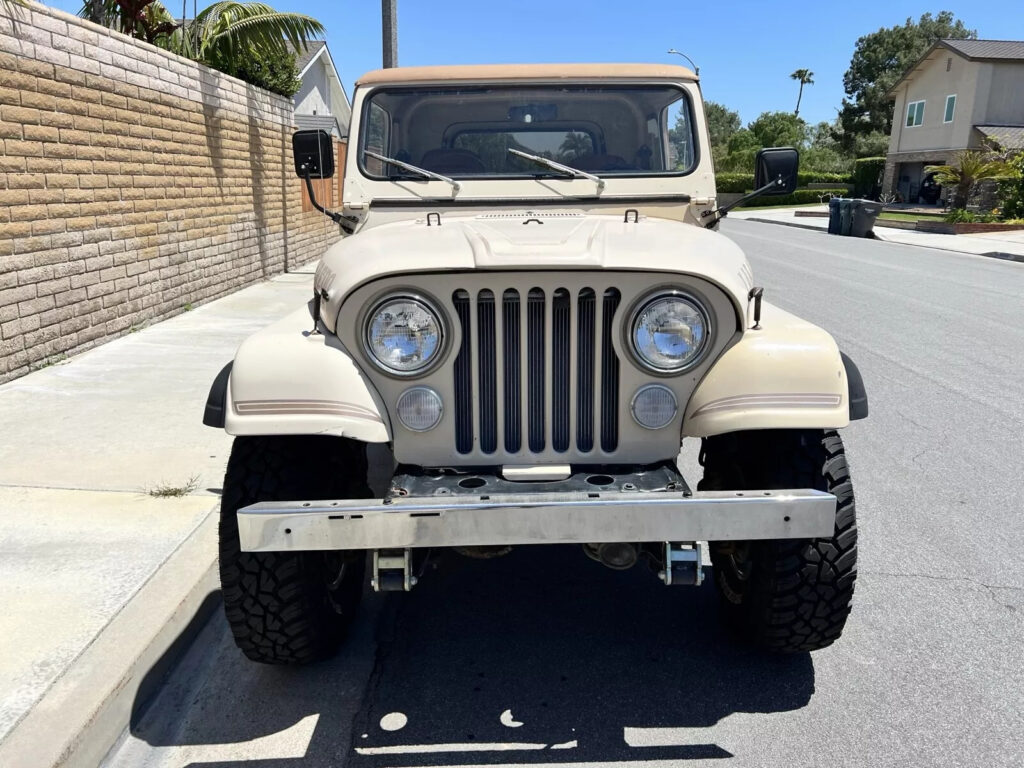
(541, 656)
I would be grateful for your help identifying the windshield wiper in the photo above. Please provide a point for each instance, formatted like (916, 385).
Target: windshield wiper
(415, 169)
(567, 170)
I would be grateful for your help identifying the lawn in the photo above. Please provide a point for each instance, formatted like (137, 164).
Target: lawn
(896, 216)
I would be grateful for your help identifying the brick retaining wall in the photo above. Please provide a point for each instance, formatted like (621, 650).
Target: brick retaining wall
(133, 185)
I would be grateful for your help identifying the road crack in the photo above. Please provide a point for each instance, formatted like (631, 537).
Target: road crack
(991, 589)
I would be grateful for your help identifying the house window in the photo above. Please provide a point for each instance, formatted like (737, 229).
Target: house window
(915, 113)
(950, 108)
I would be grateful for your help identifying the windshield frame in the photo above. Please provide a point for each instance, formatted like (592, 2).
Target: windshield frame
(368, 103)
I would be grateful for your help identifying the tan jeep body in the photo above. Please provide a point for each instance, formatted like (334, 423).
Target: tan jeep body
(538, 241)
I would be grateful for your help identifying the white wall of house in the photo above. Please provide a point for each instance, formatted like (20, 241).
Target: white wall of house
(1006, 95)
(932, 83)
(322, 93)
(314, 97)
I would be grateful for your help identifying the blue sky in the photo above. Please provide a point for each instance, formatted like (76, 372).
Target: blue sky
(745, 49)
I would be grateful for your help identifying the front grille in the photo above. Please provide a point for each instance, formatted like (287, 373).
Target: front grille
(527, 372)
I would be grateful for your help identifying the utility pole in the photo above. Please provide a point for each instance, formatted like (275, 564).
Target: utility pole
(389, 29)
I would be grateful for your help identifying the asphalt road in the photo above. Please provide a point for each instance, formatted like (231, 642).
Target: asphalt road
(612, 668)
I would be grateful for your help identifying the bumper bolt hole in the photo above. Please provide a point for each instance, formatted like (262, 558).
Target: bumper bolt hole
(600, 480)
(472, 482)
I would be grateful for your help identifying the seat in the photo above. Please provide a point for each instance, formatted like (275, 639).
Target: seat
(452, 161)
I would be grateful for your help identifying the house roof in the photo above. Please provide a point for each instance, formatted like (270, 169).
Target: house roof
(486, 72)
(972, 50)
(306, 54)
(1012, 50)
(1007, 136)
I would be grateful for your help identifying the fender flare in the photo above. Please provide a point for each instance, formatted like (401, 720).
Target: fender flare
(858, 395)
(213, 415)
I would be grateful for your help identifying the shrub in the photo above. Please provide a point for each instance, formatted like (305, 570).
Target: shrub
(799, 197)
(277, 73)
(1011, 191)
(963, 216)
(744, 182)
(867, 176)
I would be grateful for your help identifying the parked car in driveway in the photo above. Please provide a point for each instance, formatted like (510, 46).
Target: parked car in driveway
(930, 191)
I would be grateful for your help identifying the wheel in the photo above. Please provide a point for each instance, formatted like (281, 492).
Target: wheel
(786, 595)
(290, 607)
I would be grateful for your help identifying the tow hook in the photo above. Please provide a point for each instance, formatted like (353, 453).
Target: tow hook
(392, 570)
(683, 564)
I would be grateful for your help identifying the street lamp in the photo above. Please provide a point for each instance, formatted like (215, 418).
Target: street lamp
(696, 69)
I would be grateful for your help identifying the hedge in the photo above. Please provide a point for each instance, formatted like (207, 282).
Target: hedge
(744, 182)
(867, 176)
(799, 197)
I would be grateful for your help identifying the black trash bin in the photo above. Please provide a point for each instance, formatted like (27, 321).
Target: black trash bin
(864, 213)
(833, 216)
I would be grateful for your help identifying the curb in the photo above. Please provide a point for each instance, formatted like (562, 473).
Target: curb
(86, 711)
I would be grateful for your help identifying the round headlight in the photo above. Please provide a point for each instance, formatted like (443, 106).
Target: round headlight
(669, 333)
(654, 406)
(419, 409)
(403, 335)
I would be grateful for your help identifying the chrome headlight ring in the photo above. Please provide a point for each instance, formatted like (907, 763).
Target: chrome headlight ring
(693, 329)
(404, 334)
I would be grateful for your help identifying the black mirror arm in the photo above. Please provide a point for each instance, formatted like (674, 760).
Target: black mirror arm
(721, 213)
(347, 222)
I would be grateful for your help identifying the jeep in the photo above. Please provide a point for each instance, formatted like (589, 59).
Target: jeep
(531, 310)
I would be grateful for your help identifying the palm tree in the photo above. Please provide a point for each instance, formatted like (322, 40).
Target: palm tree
(967, 169)
(220, 35)
(227, 30)
(806, 77)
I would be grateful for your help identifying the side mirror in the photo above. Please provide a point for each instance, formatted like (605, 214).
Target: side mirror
(773, 164)
(314, 154)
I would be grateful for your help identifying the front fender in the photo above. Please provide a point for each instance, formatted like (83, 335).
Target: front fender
(287, 381)
(789, 374)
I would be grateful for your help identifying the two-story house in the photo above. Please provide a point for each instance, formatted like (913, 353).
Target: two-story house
(958, 95)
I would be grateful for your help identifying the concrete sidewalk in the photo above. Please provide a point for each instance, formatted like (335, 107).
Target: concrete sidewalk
(86, 445)
(1005, 245)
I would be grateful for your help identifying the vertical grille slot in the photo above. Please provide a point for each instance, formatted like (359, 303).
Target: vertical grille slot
(488, 376)
(609, 375)
(512, 373)
(560, 358)
(463, 377)
(535, 368)
(585, 340)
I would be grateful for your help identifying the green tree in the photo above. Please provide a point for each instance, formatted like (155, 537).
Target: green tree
(227, 31)
(722, 122)
(969, 167)
(878, 61)
(779, 129)
(247, 40)
(806, 77)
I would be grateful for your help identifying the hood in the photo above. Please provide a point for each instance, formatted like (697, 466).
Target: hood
(528, 240)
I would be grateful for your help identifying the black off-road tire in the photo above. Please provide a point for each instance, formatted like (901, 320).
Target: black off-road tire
(290, 607)
(785, 595)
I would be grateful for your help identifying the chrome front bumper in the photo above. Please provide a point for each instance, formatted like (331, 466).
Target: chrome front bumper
(439, 512)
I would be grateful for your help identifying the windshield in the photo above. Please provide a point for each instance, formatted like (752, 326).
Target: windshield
(466, 132)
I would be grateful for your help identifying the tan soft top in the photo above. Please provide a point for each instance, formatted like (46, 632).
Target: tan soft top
(488, 72)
